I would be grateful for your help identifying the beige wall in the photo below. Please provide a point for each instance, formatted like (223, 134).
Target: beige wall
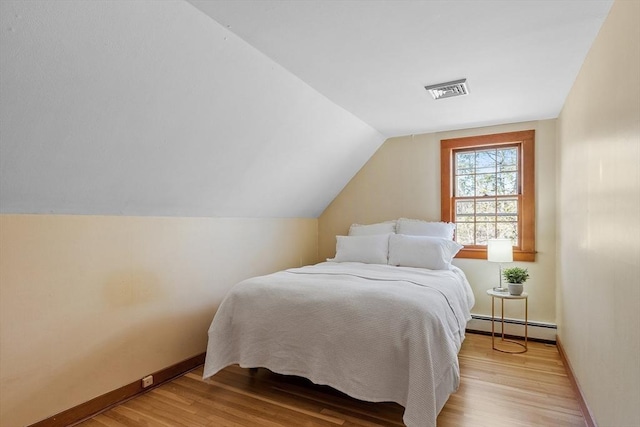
(599, 221)
(90, 303)
(403, 180)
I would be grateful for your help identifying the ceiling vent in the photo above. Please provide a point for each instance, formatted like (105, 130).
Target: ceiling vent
(449, 89)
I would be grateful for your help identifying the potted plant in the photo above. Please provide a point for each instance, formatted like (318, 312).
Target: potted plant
(516, 277)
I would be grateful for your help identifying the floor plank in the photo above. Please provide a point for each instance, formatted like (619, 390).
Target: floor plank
(497, 389)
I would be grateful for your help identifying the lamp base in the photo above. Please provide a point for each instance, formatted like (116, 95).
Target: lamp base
(500, 289)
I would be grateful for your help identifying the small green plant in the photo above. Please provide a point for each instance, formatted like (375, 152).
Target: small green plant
(515, 274)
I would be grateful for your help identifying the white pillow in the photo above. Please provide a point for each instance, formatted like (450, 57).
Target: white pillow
(434, 253)
(416, 227)
(368, 249)
(367, 230)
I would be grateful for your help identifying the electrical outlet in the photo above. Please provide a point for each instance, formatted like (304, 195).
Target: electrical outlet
(147, 381)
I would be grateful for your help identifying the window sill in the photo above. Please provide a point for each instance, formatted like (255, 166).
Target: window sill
(481, 253)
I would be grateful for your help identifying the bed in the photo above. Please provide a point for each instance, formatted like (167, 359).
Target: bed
(374, 331)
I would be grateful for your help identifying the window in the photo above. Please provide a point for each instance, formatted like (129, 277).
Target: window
(488, 191)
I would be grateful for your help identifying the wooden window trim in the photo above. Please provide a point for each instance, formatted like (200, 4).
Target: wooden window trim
(527, 224)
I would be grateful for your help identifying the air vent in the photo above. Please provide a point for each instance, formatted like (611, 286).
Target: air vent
(449, 89)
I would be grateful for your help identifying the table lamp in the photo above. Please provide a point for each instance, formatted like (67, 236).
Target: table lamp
(500, 250)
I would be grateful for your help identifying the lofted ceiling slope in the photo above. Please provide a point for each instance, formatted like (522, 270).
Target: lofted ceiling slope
(153, 108)
(256, 108)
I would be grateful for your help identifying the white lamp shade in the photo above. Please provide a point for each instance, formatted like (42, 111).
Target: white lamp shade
(500, 250)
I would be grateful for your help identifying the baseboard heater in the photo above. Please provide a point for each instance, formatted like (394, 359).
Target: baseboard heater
(515, 327)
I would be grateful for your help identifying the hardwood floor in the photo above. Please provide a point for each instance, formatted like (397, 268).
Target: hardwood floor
(497, 389)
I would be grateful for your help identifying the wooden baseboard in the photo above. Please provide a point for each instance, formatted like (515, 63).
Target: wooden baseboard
(586, 412)
(99, 404)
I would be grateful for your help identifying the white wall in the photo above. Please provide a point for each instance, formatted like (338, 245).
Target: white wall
(598, 294)
(402, 179)
(91, 303)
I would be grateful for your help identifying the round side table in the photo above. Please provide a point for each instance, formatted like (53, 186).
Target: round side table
(506, 296)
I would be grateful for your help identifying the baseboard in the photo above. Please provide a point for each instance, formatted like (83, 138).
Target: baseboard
(586, 412)
(99, 404)
(540, 331)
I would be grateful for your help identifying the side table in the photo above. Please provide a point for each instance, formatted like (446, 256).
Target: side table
(506, 296)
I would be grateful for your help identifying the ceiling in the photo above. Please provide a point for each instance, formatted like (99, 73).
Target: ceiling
(150, 107)
(373, 58)
(256, 108)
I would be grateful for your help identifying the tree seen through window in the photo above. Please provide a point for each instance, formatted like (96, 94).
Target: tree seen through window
(486, 190)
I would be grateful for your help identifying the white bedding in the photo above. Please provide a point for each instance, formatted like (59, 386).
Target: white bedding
(376, 332)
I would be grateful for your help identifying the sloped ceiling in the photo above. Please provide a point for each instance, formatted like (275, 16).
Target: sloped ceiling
(153, 108)
(255, 108)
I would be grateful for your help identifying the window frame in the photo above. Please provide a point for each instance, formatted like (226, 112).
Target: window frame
(525, 251)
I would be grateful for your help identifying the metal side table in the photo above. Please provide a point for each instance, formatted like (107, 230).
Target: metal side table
(506, 296)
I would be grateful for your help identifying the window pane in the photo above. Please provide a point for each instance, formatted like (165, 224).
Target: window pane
(507, 183)
(507, 159)
(465, 233)
(486, 207)
(465, 186)
(484, 232)
(465, 163)
(506, 230)
(508, 206)
(486, 161)
(485, 185)
(464, 207)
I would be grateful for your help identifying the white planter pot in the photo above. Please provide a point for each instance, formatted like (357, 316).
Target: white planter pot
(516, 288)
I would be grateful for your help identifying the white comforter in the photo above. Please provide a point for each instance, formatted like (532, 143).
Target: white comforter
(375, 332)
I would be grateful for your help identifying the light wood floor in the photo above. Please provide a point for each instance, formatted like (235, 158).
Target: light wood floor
(530, 389)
